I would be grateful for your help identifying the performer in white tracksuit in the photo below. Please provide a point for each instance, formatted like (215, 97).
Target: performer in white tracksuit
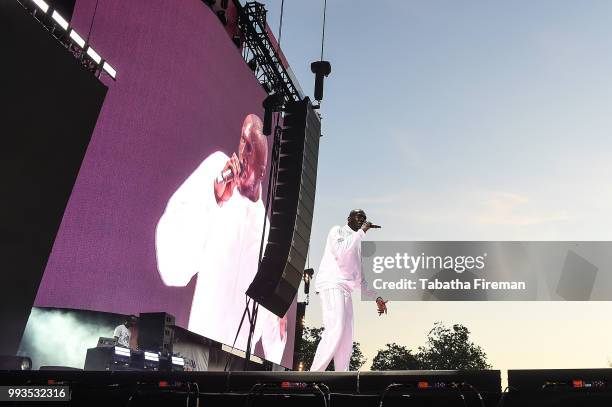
(339, 274)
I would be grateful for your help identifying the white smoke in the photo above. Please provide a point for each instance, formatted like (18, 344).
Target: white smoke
(60, 338)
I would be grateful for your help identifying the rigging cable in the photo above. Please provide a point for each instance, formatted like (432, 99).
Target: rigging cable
(280, 25)
(323, 37)
(92, 21)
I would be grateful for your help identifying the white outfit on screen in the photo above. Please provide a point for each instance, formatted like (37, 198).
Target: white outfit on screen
(339, 274)
(221, 245)
(123, 336)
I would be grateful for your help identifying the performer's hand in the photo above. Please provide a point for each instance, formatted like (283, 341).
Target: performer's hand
(282, 322)
(381, 306)
(366, 226)
(224, 190)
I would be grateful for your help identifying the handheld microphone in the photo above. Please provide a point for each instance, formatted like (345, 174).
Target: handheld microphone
(227, 175)
(373, 226)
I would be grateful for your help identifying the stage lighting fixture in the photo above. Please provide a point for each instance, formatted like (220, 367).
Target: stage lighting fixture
(26, 364)
(109, 70)
(308, 273)
(41, 5)
(94, 55)
(321, 69)
(77, 38)
(252, 64)
(15, 363)
(60, 20)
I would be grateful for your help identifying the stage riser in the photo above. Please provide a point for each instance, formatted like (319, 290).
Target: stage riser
(242, 382)
(351, 388)
(278, 401)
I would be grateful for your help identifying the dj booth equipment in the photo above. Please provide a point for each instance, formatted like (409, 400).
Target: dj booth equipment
(118, 358)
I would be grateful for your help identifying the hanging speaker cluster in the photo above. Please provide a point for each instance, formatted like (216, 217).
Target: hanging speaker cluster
(281, 270)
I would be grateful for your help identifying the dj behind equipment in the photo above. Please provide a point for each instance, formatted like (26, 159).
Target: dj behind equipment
(154, 337)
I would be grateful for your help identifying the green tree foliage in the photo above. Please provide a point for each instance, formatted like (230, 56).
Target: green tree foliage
(445, 349)
(451, 348)
(357, 358)
(395, 357)
(308, 347)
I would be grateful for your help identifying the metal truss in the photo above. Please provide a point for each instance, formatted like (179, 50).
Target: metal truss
(261, 55)
(62, 35)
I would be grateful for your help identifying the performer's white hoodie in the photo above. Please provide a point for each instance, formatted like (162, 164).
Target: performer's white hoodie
(339, 274)
(341, 263)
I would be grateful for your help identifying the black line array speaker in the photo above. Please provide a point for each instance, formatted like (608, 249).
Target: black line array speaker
(156, 332)
(282, 266)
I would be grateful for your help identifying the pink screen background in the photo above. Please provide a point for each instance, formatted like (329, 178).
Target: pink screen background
(182, 92)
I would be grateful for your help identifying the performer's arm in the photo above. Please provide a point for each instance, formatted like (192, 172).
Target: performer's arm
(366, 291)
(273, 333)
(116, 334)
(177, 248)
(373, 295)
(183, 229)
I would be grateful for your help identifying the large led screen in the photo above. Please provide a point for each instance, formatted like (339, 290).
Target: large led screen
(151, 225)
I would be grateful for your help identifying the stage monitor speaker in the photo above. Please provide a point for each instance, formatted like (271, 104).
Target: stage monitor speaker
(156, 332)
(559, 387)
(282, 267)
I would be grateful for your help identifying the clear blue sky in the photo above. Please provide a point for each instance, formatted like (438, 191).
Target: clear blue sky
(466, 120)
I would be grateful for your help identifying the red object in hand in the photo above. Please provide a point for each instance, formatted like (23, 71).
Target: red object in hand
(382, 306)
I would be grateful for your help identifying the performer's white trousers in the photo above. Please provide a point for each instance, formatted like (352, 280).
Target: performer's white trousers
(337, 339)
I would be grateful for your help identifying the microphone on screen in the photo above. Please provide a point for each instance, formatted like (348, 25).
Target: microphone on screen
(227, 176)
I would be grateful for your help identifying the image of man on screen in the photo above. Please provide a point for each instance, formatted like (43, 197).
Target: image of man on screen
(212, 228)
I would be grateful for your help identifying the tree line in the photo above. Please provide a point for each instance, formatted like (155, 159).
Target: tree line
(446, 348)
